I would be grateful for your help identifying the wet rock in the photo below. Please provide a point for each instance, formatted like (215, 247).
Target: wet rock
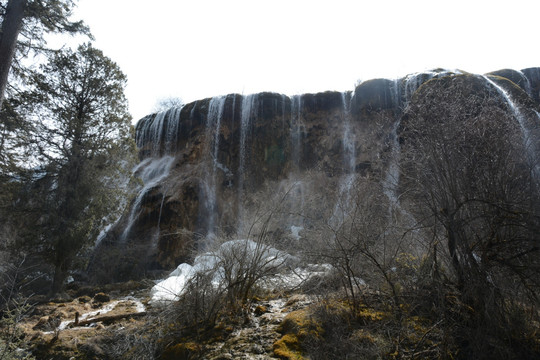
(372, 96)
(533, 75)
(516, 77)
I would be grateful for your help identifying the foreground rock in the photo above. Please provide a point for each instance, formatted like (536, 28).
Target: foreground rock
(75, 329)
(254, 339)
(83, 329)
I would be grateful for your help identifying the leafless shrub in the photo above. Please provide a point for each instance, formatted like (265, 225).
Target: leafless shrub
(472, 185)
(363, 242)
(13, 309)
(140, 342)
(344, 336)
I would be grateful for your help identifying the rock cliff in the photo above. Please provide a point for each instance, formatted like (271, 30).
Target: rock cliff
(213, 166)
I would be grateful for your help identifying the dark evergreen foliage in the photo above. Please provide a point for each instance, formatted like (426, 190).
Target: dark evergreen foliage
(77, 146)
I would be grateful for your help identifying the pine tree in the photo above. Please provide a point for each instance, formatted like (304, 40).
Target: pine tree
(79, 141)
(23, 24)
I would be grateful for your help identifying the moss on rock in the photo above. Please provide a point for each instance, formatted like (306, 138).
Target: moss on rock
(182, 351)
(298, 327)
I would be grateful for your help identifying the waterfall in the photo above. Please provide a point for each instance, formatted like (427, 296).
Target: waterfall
(209, 191)
(293, 207)
(533, 79)
(159, 130)
(151, 171)
(297, 130)
(410, 85)
(248, 108)
(397, 96)
(295, 186)
(249, 111)
(528, 140)
(284, 122)
(527, 82)
(517, 113)
(348, 139)
(391, 181)
(412, 82)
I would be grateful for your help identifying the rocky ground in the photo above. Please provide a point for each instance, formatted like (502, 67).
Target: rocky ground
(76, 328)
(256, 340)
(70, 327)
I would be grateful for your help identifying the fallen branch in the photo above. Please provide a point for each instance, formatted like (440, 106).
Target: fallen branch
(109, 319)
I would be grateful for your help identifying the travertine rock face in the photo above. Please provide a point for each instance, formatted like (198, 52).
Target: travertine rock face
(213, 166)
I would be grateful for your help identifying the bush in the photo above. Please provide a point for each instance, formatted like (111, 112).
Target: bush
(13, 309)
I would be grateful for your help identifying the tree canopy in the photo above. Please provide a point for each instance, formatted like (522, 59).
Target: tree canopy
(23, 25)
(78, 143)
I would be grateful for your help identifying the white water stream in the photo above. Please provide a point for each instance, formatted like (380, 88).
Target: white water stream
(151, 171)
(348, 139)
(160, 130)
(528, 139)
(213, 128)
(107, 308)
(249, 111)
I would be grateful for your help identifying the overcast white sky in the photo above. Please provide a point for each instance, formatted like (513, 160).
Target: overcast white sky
(200, 48)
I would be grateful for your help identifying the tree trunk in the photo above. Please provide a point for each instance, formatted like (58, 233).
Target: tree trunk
(59, 277)
(11, 27)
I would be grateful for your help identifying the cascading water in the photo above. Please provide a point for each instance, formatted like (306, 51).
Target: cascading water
(295, 187)
(412, 82)
(391, 180)
(159, 130)
(527, 83)
(209, 192)
(528, 140)
(151, 171)
(307, 151)
(297, 130)
(348, 137)
(284, 118)
(402, 92)
(348, 140)
(533, 79)
(249, 109)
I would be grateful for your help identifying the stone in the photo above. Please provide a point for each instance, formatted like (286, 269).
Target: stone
(257, 349)
(84, 299)
(101, 298)
(48, 323)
